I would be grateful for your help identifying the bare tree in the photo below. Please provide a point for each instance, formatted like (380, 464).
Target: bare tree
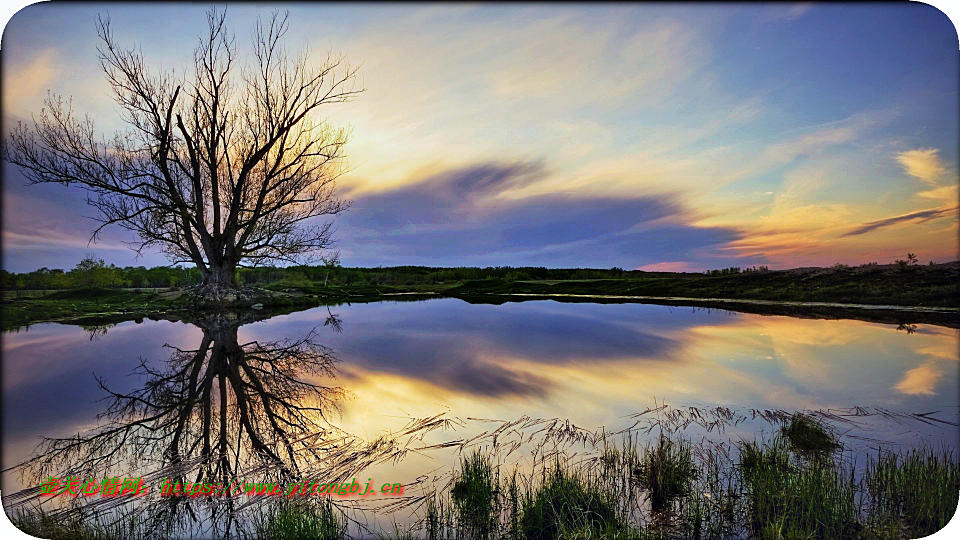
(223, 166)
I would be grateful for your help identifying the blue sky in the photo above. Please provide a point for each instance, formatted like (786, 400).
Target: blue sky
(680, 137)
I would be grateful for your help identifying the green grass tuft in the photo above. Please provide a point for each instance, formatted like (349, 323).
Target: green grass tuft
(475, 496)
(796, 499)
(666, 471)
(302, 520)
(567, 506)
(918, 490)
(809, 438)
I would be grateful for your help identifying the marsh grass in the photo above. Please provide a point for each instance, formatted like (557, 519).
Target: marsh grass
(666, 471)
(474, 494)
(794, 498)
(917, 491)
(43, 525)
(569, 505)
(296, 519)
(123, 524)
(799, 483)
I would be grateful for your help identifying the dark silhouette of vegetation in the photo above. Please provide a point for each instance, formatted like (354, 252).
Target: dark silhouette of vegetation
(136, 291)
(301, 520)
(474, 495)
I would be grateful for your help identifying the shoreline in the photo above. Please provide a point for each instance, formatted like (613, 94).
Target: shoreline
(86, 313)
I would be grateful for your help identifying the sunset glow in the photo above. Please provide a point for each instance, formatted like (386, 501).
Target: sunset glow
(677, 138)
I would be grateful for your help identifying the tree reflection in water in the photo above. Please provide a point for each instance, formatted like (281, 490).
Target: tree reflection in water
(222, 411)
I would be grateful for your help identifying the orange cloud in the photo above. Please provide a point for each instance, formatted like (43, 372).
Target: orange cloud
(674, 266)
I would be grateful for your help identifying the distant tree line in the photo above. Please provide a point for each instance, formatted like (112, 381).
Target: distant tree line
(93, 272)
(737, 270)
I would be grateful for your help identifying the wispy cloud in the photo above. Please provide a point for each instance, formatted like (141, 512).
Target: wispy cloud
(50, 239)
(672, 266)
(924, 164)
(776, 13)
(919, 216)
(27, 83)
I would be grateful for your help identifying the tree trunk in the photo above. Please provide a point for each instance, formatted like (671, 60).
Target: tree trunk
(219, 286)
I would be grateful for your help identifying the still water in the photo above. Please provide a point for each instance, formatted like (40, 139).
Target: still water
(366, 370)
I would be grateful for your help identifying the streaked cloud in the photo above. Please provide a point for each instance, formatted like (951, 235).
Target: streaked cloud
(919, 216)
(46, 239)
(27, 83)
(459, 217)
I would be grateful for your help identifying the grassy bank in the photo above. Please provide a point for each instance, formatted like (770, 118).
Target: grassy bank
(110, 306)
(798, 483)
(910, 286)
(937, 285)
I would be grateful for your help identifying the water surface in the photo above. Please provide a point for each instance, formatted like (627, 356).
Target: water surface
(593, 365)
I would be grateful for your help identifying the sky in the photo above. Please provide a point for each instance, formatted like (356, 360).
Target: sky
(658, 137)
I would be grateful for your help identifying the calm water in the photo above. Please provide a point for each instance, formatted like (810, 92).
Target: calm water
(591, 364)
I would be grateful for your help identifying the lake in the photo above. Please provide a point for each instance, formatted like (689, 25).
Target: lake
(364, 370)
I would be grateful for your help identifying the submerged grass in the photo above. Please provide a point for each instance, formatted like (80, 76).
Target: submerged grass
(117, 525)
(568, 505)
(798, 485)
(475, 495)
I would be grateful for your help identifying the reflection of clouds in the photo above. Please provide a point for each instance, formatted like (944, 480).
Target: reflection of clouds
(942, 357)
(606, 360)
(619, 356)
(450, 362)
(591, 363)
(463, 353)
(817, 363)
(920, 380)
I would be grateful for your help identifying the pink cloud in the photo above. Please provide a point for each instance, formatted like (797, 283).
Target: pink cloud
(674, 266)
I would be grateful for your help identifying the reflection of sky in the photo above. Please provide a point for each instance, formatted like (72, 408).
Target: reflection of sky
(675, 137)
(590, 363)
